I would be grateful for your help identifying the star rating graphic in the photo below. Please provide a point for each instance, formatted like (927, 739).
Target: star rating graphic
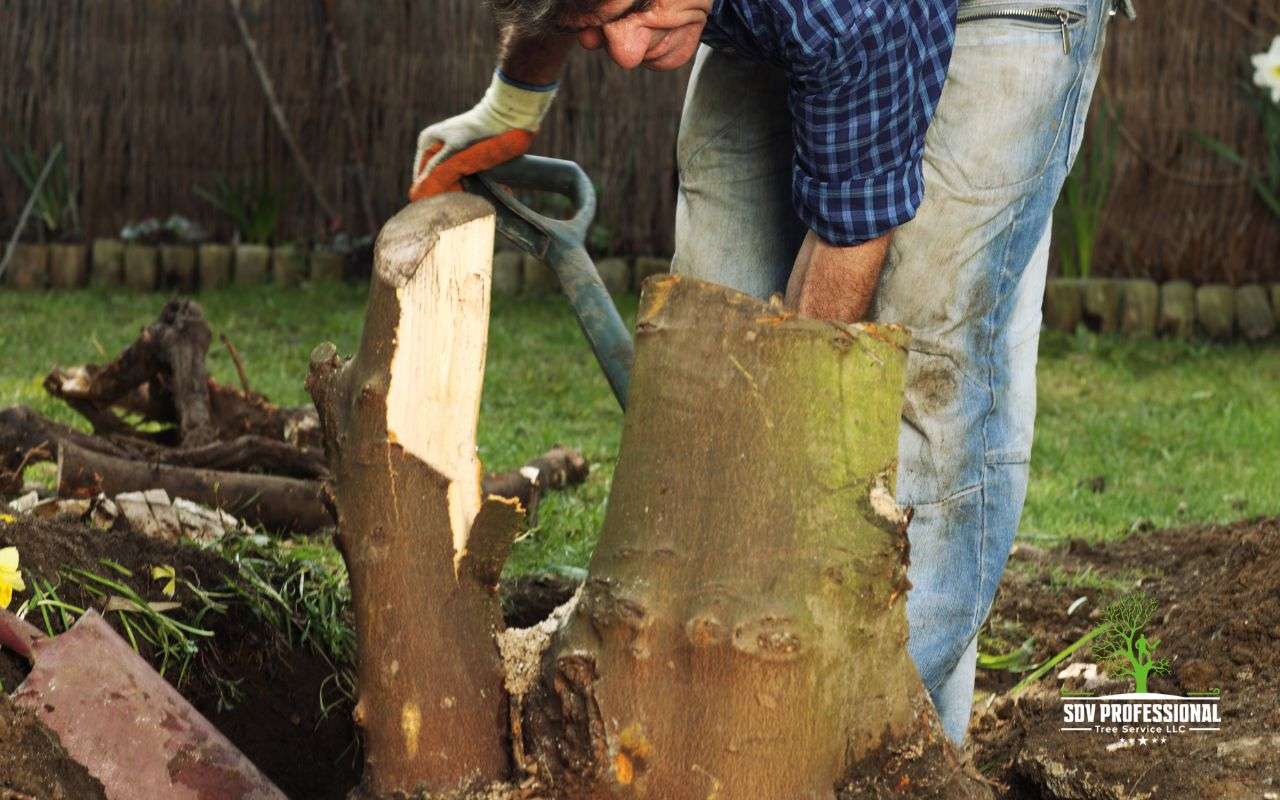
(1141, 741)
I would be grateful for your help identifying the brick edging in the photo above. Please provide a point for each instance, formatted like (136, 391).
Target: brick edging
(1143, 308)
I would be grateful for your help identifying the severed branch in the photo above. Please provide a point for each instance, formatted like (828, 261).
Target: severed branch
(27, 437)
(216, 444)
(559, 467)
(235, 359)
(274, 502)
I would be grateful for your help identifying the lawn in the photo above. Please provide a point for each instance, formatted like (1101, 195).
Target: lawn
(1131, 435)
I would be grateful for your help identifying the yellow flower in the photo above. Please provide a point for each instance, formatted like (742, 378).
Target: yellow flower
(7, 518)
(10, 577)
(163, 573)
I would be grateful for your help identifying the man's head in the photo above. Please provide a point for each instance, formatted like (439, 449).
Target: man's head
(657, 34)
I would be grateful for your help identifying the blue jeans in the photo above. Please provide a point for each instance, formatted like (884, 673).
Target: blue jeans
(966, 276)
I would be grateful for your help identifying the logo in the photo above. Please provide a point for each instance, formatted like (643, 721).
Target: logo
(1139, 718)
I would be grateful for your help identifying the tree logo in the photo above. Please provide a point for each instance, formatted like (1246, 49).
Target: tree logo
(1140, 718)
(1122, 648)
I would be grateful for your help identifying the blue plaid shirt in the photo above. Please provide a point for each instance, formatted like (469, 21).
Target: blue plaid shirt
(864, 78)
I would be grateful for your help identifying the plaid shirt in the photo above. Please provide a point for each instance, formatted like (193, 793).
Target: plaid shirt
(865, 76)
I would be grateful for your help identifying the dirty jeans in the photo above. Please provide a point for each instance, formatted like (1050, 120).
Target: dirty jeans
(966, 276)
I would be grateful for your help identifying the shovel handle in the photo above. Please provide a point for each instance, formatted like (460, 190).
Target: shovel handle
(560, 244)
(17, 634)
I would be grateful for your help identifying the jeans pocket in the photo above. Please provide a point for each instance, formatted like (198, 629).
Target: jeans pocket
(1009, 90)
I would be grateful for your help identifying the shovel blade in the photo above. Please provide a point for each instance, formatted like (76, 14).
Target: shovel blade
(126, 724)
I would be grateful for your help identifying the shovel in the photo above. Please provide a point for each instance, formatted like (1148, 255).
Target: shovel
(123, 721)
(560, 244)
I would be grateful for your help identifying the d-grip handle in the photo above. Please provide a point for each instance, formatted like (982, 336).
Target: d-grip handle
(536, 173)
(560, 244)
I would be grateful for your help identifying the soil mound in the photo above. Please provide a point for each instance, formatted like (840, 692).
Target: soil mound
(1218, 622)
(33, 763)
(276, 719)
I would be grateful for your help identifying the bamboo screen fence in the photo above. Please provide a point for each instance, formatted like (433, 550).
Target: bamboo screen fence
(156, 97)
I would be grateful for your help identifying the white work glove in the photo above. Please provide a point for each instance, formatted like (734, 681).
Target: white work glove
(499, 128)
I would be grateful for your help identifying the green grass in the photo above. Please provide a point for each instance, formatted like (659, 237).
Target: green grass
(1181, 432)
(542, 385)
(1178, 432)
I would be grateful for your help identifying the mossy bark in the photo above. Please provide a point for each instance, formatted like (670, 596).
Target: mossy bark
(742, 632)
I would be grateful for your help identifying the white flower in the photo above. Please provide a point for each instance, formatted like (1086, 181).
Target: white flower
(1267, 69)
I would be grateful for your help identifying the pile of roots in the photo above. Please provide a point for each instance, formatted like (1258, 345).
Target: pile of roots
(160, 422)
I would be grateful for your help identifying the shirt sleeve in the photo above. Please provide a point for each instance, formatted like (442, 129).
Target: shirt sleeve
(865, 79)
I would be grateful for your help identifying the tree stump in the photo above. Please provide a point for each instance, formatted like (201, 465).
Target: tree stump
(423, 548)
(742, 631)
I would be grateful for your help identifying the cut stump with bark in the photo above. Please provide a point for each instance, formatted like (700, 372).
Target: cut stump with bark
(742, 630)
(423, 547)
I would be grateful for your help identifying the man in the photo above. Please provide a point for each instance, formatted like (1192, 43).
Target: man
(805, 169)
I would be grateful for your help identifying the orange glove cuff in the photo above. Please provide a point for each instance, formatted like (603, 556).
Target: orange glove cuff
(486, 154)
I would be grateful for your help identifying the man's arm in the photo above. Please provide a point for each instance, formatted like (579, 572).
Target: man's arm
(502, 125)
(836, 283)
(535, 60)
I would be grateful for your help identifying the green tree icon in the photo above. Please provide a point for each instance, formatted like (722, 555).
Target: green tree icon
(1122, 648)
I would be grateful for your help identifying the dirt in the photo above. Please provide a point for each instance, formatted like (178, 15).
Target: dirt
(33, 763)
(1217, 587)
(1218, 621)
(277, 721)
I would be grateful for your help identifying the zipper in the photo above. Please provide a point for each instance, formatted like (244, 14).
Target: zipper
(1044, 14)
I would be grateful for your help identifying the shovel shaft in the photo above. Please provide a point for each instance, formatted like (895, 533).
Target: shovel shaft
(561, 244)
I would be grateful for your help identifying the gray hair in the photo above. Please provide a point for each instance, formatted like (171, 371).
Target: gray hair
(534, 17)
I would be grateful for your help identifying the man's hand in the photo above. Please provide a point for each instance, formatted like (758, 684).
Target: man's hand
(499, 128)
(836, 283)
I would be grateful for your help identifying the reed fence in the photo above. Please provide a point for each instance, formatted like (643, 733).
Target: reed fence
(156, 97)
